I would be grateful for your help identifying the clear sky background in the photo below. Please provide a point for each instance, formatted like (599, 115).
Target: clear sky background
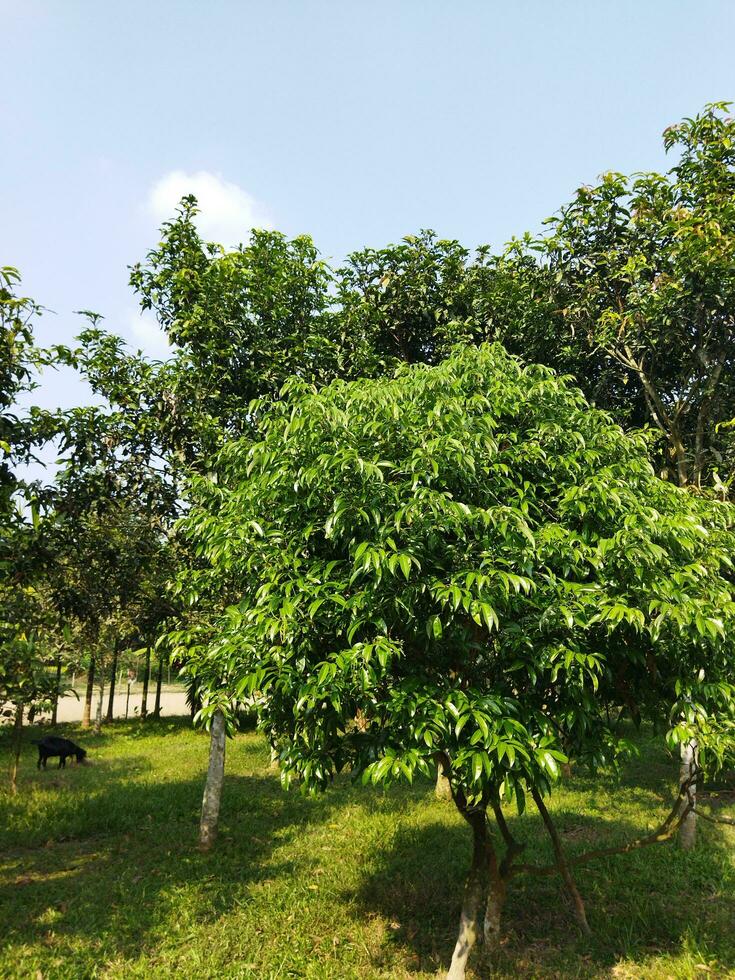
(356, 121)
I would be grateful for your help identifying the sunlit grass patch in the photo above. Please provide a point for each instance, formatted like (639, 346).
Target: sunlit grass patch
(99, 875)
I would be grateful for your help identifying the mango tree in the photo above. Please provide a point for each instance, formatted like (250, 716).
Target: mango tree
(477, 564)
(639, 272)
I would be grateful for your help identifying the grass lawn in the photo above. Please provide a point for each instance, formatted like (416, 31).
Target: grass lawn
(99, 875)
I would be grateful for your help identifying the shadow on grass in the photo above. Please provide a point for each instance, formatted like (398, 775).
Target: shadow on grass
(648, 902)
(105, 856)
(124, 855)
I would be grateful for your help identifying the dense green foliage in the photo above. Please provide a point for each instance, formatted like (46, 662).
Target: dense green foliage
(18, 356)
(640, 272)
(476, 563)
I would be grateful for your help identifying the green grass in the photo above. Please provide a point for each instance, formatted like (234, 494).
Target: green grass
(99, 876)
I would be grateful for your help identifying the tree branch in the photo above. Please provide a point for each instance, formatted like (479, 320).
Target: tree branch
(659, 836)
(562, 864)
(727, 821)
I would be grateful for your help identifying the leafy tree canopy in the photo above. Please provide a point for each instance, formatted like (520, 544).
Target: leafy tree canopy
(474, 561)
(638, 276)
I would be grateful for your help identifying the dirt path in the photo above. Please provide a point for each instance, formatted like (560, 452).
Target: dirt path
(172, 703)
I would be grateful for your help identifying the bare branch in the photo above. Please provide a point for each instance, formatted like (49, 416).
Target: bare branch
(659, 836)
(562, 863)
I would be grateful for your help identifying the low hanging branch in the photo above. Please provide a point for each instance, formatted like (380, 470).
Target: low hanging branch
(727, 821)
(562, 863)
(663, 833)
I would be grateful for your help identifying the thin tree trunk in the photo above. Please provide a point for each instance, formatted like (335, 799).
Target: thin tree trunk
(16, 747)
(146, 679)
(443, 789)
(98, 714)
(57, 688)
(475, 893)
(213, 786)
(113, 678)
(159, 681)
(87, 713)
(682, 471)
(561, 863)
(688, 827)
(495, 900)
(700, 449)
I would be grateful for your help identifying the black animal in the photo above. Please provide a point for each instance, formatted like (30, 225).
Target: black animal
(51, 745)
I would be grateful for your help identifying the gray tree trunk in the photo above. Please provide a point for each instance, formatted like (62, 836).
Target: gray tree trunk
(146, 679)
(98, 714)
(57, 688)
(159, 681)
(113, 678)
(87, 713)
(213, 785)
(442, 790)
(688, 826)
(17, 742)
(475, 896)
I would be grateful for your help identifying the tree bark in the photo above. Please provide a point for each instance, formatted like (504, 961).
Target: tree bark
(682, 470)
(159, 681)
(98, 713)
(475, 893)
(495, 901)
(146, 679)
(87, 713)
(443, 789)
(688, 826)
(57, 687)
(561, 863)
(16, 747)
(213, 785)
(113, 677)
(700, 449)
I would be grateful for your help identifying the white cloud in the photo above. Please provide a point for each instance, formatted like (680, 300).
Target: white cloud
(226, 211)
(144, 328)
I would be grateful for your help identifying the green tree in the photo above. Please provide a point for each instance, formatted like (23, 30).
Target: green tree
(105, 565)
(31, 638)
(240, 323)
(638, 276)
(26, 626)
(478, 564)
(405, 303)
(18, 359)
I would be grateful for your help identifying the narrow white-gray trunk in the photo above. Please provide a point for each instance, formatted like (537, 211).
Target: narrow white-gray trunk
(688, 827)
(468, 935)
(213, 785)
(442, 790)
(493, 915)
(98, 714)
(473, 900)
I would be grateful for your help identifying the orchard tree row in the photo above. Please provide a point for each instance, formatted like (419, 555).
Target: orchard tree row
(431, 508)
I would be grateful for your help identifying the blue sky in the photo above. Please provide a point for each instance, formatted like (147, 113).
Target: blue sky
(356, 122)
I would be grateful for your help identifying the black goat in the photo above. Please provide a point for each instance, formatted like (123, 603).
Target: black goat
(52, 745)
